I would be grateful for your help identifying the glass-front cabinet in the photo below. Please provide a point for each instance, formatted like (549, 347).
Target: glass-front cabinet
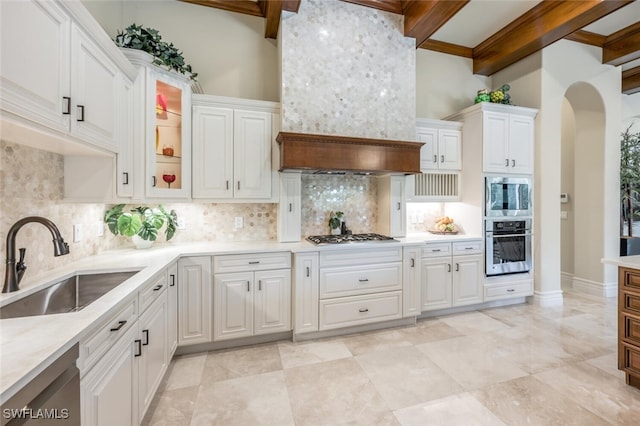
(168, 158)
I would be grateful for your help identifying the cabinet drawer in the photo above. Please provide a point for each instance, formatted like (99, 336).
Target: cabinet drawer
(504, 291)
(251, 262)
(468, 247)
(93, 347)
(355, 310)
(348, 257)
(630, 302)
(436, 250)
(151, 290)
(353, 280)
(631, 329)
(630, 279)
(630, 358)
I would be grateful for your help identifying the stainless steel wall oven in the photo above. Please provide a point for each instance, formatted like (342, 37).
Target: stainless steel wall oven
(508, 246)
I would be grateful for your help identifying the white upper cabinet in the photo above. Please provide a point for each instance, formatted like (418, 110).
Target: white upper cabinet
(442, 149)
(60, 75)
(232, 146)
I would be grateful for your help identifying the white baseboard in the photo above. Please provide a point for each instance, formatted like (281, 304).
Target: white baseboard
(566, 280)
(594, 288)
(546, 299)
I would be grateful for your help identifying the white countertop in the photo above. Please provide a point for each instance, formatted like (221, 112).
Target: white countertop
(624, 261)
(29, 344)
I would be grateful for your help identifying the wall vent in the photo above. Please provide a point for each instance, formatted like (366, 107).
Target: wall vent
(435, 187)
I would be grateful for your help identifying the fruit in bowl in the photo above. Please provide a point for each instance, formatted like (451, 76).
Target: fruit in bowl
(445, 224)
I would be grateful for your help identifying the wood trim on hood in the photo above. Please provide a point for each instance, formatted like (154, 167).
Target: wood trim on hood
(318, 153)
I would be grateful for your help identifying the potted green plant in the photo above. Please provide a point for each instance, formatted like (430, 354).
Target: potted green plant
(149, 40)
(141, 223)
(335, 221)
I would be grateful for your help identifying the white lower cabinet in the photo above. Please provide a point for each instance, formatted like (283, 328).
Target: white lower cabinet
(306, 292)
(172, 308)
(412, 273)
(194, 300)
(254, 300)
(450, 280)
(120, 378)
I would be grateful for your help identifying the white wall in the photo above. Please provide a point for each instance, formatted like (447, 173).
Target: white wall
(227, 50)
(631, 112)
(567, 186)
(445, 84)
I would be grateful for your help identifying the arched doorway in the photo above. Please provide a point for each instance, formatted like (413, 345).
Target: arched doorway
(583, 234)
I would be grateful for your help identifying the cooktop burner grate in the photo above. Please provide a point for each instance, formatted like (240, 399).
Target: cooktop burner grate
(348, 238)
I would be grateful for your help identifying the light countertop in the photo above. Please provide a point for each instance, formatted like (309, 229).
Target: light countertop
(29, 344)
(624, 261)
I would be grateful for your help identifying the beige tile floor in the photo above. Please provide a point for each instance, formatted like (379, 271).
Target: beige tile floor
(519, 365)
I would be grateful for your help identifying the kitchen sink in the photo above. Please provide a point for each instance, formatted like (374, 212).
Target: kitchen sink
(69, 295)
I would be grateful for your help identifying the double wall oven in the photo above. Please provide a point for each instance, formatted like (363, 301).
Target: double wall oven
(508, 231)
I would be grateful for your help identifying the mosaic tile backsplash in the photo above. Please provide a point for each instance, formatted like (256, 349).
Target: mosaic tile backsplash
(358, 79)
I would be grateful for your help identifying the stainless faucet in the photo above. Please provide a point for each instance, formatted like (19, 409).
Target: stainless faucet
(14, 272)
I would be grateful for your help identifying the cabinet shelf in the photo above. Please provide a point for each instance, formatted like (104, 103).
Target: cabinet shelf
(165, 159)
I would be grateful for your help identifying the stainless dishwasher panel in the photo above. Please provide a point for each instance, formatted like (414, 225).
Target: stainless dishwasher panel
(52, 397)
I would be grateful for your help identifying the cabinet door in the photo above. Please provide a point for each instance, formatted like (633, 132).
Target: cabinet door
(272, 301)
(212, 152)
(194, 300)
(124, 160)
(109, 391)
(495, 136)
(436, 283)
(233, 305)
(411, 300)
(35, 66)
(168, 136)
(306, 292)
(94, 102)
(521, 144)
(172, 308)
(153, 361)
(467, 283)
(290, 218)
(397, 216)
(429, 151)
(252, 154)
(449, 149)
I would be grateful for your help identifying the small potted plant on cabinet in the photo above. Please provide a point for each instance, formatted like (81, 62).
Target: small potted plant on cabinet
(142, 223)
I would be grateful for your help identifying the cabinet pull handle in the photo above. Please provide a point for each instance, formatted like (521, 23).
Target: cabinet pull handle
(173, 280)
(254, 262)
(413, 262)
(448, 267)
(119, 326)
(457, 267)
(513, 163)
(259, 285)
(506, 162)
(290, 207)
(146, 337)
(80, 113)
(468, 248)
(238, 185)
(399, 206)
(363, 310)
(308, 271)
(435, 158)
(248, 289)
(363, 280)
(158, 287)
(138, 342)
(511, 290)
(227, 185)
(67, 104)
(435, 250)
(125, 178)
(154, 181)
(442, 158)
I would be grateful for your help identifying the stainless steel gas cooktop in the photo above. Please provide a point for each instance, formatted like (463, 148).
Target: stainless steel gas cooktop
(348, 238)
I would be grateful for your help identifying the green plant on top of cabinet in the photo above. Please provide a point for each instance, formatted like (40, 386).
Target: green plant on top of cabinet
(233, 148)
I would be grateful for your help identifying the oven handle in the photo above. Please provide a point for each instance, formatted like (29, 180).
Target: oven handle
(491, 235)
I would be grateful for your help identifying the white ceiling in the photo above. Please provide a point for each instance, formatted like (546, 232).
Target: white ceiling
(623, 17)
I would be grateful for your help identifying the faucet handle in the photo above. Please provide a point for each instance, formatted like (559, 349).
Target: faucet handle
(21, 268)
(23, 252)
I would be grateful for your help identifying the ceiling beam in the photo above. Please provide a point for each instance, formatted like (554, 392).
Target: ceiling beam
(450, 48)
(586, 37)
(545, 23)
(393, 6)
(240, 6)
(631, 81)
(423, 18)
(622, 46)
(271, 9)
